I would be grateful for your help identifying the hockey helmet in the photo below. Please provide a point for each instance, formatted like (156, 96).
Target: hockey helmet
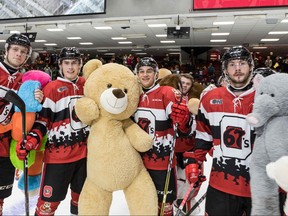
(69, 53)
(147, 61)
(237, 52)
(19, 39)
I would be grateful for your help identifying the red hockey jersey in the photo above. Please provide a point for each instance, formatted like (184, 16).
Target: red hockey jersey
(221, 123)
(67, 135)
(152, 115)
(7, 82)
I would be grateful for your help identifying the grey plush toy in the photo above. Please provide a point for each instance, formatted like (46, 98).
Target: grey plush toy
(270, 119)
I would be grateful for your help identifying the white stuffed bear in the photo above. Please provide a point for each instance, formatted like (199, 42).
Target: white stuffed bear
(278, 171)
(270, 119)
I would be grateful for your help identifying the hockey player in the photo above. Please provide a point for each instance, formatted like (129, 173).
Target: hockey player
(183, 144)
(221, 124)
(159, 108)
(17, 52)
(66, 148)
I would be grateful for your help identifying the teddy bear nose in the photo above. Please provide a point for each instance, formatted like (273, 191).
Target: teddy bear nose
(118, 93)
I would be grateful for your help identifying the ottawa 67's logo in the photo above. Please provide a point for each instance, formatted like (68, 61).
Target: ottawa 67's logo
(146, 120)
(235, 137)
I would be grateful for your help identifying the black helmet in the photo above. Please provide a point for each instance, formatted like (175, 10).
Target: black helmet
(69, 53)
(237, 52)
(264, 71)
(19, 39)
(147, 61)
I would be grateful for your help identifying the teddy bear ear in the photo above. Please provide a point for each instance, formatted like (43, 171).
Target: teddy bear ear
(163, 72)
(193, 105)
(91, 66)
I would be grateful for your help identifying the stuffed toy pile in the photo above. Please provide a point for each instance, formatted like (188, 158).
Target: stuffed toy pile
(111, 95)
(270, 119)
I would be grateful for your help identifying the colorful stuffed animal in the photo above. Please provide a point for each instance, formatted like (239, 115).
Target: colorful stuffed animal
(111, 95)
(270, 119)
(32, 80)
(278, 171)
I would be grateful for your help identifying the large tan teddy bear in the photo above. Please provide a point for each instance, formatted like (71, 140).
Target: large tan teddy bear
(111, 95)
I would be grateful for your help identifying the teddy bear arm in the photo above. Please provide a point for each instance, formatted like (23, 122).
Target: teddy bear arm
(87, 110)
(138, 138)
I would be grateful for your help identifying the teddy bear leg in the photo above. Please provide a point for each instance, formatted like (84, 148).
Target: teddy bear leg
(94, 200)
(265, 199)
(141, 195)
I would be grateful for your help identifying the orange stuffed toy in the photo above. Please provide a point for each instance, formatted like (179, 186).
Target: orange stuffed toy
(32, 80)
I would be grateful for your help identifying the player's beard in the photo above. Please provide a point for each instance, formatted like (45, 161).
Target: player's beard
(240, 80)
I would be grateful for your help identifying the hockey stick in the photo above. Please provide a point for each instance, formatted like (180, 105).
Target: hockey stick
(171, 156)
(167, 181)
(196, 204)
(188, 194)
(12, 97)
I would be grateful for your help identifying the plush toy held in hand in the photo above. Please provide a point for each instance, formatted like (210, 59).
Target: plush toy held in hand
(270, 119)
(32, 80)
(111, 95)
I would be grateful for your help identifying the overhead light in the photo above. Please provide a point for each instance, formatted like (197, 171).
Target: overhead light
(102, 50)
(260, 47)
(110, 54)
(251, 16)
(40, 41)
(50, 44)
(284, 21)
(278, 32)
(14, 32)
(270, 39)
(167, 41)
(80, 23)
(136, 50)
(224, 23)
(117, 22)
(124, 42)
(140, 53)
(218, 41)
(174, 53)
(102, 27)
(173, 50)
(134, 35)
(86, 43)
(118, 38)
(49, 25)
(2, 41)
(220, 34)
(161, 35)
(157, 25)
(74, 38)
(55, 30)
(37, 49)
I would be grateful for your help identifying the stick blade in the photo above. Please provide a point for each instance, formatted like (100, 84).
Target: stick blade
(12, 97)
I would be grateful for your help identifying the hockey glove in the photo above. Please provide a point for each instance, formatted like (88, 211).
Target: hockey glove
(180, 115)
(192, 172)
(192, 167)
(33, 142)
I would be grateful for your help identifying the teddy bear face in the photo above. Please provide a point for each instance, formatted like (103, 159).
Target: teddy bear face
(115, 89)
